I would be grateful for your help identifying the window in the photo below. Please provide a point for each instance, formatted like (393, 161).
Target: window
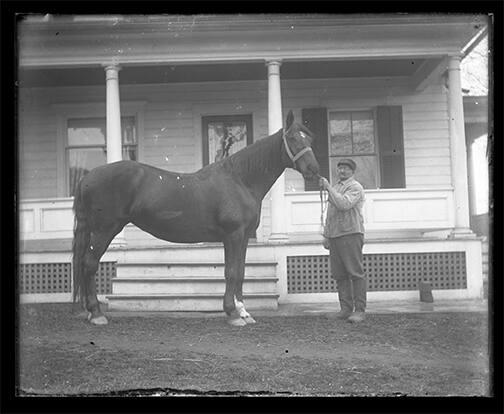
(373, 138)
(87, 147)
(352, 134)
(225, 135)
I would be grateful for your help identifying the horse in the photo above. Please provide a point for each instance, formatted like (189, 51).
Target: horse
(221, 202)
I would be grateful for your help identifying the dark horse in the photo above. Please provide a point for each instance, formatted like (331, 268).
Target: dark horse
(219, 203)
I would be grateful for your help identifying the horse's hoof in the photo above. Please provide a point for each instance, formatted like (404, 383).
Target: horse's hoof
(100, 320)
(249, 319)
(236, 322)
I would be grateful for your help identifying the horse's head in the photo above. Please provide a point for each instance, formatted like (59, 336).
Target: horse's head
(298, 140)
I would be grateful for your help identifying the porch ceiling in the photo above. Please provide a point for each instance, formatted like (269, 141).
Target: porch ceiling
(221, 72)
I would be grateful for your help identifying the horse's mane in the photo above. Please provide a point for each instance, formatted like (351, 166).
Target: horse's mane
(263, 155)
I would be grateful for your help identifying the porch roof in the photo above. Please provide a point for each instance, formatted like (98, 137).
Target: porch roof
(92, 41)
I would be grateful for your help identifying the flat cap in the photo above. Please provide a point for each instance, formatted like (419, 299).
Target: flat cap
(349, 162)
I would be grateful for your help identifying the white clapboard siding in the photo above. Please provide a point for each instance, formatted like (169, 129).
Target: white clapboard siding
(419, 115)
(426, 144)
(37, 151)
(436, 159)
(426, 130)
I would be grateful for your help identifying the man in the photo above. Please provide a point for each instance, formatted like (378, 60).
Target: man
(344, 237)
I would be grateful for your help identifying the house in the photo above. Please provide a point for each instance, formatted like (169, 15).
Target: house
(170, 90)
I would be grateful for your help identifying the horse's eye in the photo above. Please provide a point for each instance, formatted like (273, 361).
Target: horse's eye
(303, 135)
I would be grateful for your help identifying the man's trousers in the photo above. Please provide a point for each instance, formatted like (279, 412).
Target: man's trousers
(346, 261)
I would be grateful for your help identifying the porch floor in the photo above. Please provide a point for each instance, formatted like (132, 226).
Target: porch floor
(293, 309)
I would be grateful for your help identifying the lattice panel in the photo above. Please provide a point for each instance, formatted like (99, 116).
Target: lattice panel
(385, 272)
(106, 272)
(309, 274)
(56, 278)
(45, 278)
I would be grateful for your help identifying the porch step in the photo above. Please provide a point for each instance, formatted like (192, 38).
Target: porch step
(201, 302)
(484, 252)
(188, 285)
(136, 269)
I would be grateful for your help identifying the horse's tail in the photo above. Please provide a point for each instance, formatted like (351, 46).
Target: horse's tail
(80, 244)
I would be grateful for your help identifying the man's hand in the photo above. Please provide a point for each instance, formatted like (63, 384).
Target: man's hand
(325, 243)
(323, 183)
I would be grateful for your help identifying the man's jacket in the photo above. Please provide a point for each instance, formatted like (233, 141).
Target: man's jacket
(344, 214)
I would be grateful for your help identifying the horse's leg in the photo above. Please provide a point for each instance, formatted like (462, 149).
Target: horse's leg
(234, 258)
(100, 240)
(240, 307)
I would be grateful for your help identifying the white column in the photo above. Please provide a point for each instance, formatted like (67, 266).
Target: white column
(275, 122)
(114, 146)
(114, 141)
(471, 178)
(458, 150)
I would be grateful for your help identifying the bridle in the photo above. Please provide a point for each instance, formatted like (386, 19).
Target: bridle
(297, 156)
(323, 195)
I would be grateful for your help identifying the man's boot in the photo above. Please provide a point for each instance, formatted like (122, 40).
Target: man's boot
(359, 292)
(345, 300)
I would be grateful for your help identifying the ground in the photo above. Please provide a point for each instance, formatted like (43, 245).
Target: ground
(423, 354)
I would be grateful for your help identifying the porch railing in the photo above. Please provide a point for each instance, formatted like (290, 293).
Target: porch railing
(402, 209)
(48, 218)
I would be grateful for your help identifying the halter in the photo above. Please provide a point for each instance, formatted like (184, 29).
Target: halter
(293, 157)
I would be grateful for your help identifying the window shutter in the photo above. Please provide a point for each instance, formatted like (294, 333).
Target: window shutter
(391, 146)
(315, 119)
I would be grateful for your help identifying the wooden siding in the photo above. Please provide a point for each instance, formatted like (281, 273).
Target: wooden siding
(37, 151)
(171, 135)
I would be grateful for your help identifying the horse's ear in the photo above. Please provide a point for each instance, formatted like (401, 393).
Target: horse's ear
(289, 120)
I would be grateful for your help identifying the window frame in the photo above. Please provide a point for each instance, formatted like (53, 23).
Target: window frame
(206, 120)
(65, 111)
(103, 147)
(376, 152)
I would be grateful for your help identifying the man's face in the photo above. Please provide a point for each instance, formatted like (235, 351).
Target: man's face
(345, 172)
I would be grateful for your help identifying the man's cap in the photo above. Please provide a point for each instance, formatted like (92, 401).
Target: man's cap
(348, 162)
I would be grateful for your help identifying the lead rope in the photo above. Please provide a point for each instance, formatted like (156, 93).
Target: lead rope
(323, 208)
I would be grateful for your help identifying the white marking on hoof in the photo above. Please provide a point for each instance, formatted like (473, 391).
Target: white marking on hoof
(249, 319)
(240, 308)
(236, 321)
(100, 320)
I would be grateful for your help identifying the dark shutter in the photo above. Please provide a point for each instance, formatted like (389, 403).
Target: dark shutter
(391, 146)
(315, 119)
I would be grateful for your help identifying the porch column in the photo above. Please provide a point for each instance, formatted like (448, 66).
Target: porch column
(275, 122)
(114, 147)
(471, 176)
(458, 150)
(114, 140)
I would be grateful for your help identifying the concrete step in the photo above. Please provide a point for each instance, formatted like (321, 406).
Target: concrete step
(188, 302)
(188, 285)
(137, 269)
